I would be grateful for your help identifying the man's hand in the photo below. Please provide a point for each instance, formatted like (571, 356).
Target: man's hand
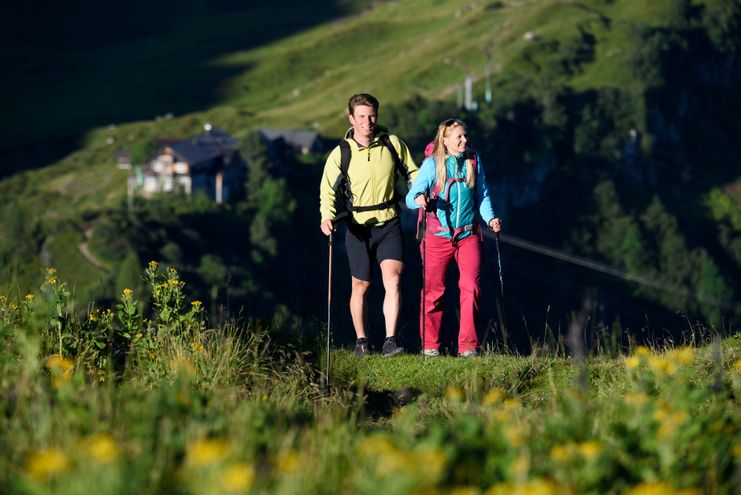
(327, 227)
(495, 224)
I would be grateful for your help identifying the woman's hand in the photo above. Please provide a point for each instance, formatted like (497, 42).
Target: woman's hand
(495, 224)
(421, 200)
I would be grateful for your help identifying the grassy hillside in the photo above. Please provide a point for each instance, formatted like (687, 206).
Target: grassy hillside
(293, 76)
(287, 66)
(242, 66)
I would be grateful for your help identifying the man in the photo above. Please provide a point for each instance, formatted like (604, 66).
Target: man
(374, 229)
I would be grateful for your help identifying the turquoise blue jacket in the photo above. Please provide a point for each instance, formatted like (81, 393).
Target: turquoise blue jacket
(463, 202)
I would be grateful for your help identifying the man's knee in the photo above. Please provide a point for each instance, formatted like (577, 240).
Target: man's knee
(360, 287)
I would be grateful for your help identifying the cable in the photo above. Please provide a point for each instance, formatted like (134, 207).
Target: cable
(610, 270)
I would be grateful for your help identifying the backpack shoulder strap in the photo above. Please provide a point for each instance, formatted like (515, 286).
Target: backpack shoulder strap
(399, 166)
(345, 154)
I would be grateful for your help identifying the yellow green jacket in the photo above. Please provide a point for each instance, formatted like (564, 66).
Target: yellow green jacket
(371, 176)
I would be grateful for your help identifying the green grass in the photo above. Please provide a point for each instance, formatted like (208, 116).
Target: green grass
(223, 410)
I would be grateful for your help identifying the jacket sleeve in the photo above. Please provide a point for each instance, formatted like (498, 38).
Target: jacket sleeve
(423, 182)
(330, 183)
(483, 199)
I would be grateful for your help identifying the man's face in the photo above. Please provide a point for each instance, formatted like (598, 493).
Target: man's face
(363, 121)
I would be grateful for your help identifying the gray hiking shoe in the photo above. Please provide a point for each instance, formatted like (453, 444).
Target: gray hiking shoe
(390, 348)
(430, 353)
(361, 347)
(469, 353)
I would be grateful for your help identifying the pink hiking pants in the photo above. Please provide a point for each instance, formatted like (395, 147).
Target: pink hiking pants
(439, 252)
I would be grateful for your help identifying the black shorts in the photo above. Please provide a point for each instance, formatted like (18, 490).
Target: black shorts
(380, 243)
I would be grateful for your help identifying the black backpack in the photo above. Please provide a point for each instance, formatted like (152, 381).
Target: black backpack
(345, 155)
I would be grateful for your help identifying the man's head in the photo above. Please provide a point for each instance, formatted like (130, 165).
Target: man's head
(362, 99)
(363, 113)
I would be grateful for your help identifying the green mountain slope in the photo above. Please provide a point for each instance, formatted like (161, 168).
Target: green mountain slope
(580, 64)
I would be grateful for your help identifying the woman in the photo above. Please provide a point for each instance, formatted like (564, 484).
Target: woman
(451, 187)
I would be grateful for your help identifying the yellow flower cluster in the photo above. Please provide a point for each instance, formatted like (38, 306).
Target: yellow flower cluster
(659, 488)
(669, 421)
(425, 462)
(454, 394)
(101, 448)
(51, 277)
(531, 487)
(666, 365)
(61, 369)
(46, 464)
(237, 477)
(206, 451)
(571, 451)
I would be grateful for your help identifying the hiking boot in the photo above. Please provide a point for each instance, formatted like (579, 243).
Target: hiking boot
(390, 348)
(430, 353)
(469, 353)
(361, 347)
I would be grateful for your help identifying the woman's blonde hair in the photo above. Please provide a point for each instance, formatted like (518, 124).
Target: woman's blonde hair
(439, 153)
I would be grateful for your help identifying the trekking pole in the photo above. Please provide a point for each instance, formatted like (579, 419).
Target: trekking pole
(500, 299)
(500, 302)
(499, 262)
(329, 308)
(421, 235)
(330, 242)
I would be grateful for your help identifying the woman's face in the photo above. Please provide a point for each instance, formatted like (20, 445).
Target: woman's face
(455, 139)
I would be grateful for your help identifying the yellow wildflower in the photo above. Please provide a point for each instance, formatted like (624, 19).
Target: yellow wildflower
(659, 488)
(196, 304)
(494, 396)
(632, 362)
(532, 487)
(683, 356)
(590, 449)
(642, 350)
(661, 366)
(237, 477)
(561, 452)
(102, 448)
(206, 451)
(434, 461)
(29, 298)
(196, 347)
(61, 369)
(47, 463)
(737, 365)
(153, 265)
(127, 294)
(514, 435)
(454, 394)
(737, 450)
